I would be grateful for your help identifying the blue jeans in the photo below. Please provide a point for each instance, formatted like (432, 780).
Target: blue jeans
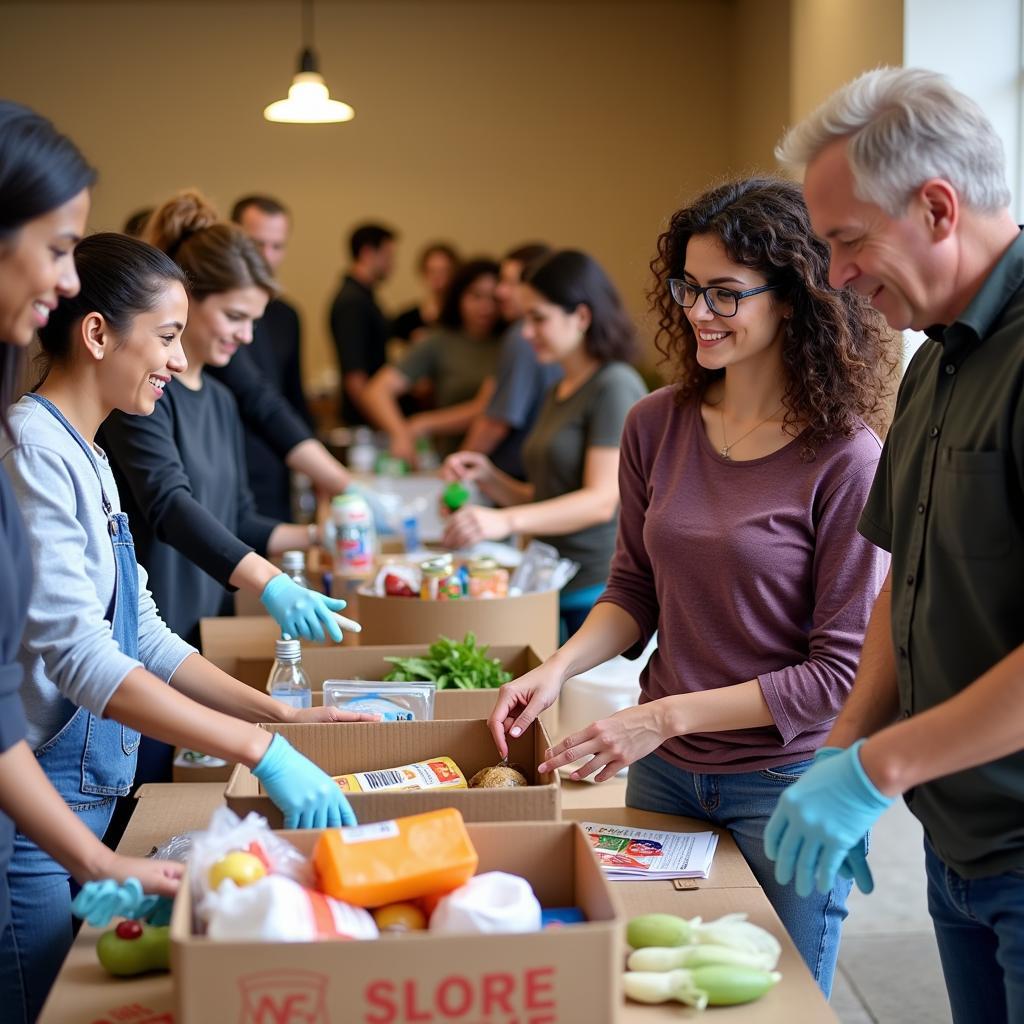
(742, 803)
(39, 935)
(979, 925)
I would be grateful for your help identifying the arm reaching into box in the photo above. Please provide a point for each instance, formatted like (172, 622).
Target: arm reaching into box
(607, 631)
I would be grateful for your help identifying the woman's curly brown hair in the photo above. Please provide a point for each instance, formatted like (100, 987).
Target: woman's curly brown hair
(840, 358)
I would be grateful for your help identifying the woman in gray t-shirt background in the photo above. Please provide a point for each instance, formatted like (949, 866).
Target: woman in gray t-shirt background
(574, 317)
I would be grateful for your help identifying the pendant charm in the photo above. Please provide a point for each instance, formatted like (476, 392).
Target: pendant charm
(724, 452)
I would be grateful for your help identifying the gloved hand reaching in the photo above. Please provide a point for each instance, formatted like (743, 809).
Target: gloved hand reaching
(97, 903)
(822, 820)
(301, 613)
(308, 796)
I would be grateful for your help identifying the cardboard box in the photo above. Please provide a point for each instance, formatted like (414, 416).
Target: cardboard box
(528, 619)
(340, 749)
(563, 974)
(362, 662)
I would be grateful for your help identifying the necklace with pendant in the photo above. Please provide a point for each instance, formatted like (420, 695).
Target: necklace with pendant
(726, 446)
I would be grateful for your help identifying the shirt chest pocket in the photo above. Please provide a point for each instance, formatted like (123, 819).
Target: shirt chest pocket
(970, 505)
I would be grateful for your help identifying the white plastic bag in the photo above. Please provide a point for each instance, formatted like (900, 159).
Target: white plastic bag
(488, 904)
(277, 909)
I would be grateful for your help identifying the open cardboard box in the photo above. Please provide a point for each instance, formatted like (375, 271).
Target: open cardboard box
(527, 619)
(321, 663)
(565, 974)
(343, 748)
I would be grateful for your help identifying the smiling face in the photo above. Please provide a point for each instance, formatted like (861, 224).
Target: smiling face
(478, 307)
(221, 322)
(553, 333)
(269, 231)
(895, 261)
(37, 268)
(139, 362)
(754, 333)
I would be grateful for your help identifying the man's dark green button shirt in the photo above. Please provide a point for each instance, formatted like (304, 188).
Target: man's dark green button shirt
(948, 502)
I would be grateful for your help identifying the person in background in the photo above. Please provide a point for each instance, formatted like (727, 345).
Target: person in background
(359, 328)
(522, 379)
(459, 358)
(278, 428)
(437, 265)
(276, 350)
(44, 204)
(573, 317)
(135, 223)
(182, 469)
(905, 178)
(741, 484)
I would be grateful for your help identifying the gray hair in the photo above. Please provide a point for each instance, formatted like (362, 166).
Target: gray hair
(905, 125)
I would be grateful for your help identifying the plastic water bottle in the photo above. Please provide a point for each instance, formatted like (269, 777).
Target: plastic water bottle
(294, 565)
(287, 682)
(355, 544)
(362, 453)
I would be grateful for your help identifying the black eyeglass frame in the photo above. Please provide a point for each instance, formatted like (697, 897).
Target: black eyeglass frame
(682, 283)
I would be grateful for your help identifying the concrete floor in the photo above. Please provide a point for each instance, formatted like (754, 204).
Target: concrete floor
(889, 969)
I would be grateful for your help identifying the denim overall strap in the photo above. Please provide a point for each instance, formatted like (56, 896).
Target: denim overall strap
(94, 757)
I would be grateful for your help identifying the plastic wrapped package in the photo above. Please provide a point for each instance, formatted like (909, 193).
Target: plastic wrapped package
(394, 702)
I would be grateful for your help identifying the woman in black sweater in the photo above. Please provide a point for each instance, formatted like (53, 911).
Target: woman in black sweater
(182, 471)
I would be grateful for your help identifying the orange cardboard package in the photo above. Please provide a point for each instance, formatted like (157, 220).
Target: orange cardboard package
(391, 861)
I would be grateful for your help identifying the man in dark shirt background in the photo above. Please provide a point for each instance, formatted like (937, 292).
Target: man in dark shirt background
(359, 328)
(275, 350)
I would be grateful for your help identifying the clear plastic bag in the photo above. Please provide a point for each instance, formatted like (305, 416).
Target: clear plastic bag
(394, 702)
(542, 568)
(227, 833)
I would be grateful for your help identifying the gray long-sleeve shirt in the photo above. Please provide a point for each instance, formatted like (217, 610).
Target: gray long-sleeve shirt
(68, 650)
(748, 570)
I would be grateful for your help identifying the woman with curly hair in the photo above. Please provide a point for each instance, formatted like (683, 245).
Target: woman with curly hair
(740, 488)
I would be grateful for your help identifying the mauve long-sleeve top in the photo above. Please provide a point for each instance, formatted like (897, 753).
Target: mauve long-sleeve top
(747, 570)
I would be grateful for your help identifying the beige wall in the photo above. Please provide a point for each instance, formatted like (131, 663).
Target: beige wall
(487, 122)
(835, 40)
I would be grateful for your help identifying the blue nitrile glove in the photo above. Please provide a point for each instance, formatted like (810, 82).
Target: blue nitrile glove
(301, 613)
(820, 819)
(97, 903)
(855, 863)
(308, 797)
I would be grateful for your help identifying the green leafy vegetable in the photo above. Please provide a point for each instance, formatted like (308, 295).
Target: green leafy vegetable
(451, 665)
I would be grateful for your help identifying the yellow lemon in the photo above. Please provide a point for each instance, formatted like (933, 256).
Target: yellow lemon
(241, 867)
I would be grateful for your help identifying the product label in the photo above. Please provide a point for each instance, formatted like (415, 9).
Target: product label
(370, 833)
(439, 773)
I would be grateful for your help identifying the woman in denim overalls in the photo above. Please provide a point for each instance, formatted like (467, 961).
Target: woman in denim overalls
(95, 652)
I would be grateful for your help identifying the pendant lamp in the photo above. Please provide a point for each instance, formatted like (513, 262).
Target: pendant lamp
(308, 100)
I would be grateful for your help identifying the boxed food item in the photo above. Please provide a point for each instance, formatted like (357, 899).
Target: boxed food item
(344, 749)
(559, 974)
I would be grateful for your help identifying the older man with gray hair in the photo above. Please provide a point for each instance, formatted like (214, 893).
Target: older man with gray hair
(905, 179)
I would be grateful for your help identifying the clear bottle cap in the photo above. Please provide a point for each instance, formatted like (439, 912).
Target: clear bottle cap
(293, 561)
(287, 650)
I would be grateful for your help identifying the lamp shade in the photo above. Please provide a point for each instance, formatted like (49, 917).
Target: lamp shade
(309, 101)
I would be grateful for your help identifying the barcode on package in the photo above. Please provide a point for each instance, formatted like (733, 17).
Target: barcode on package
(381, 779)
(368, 833)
